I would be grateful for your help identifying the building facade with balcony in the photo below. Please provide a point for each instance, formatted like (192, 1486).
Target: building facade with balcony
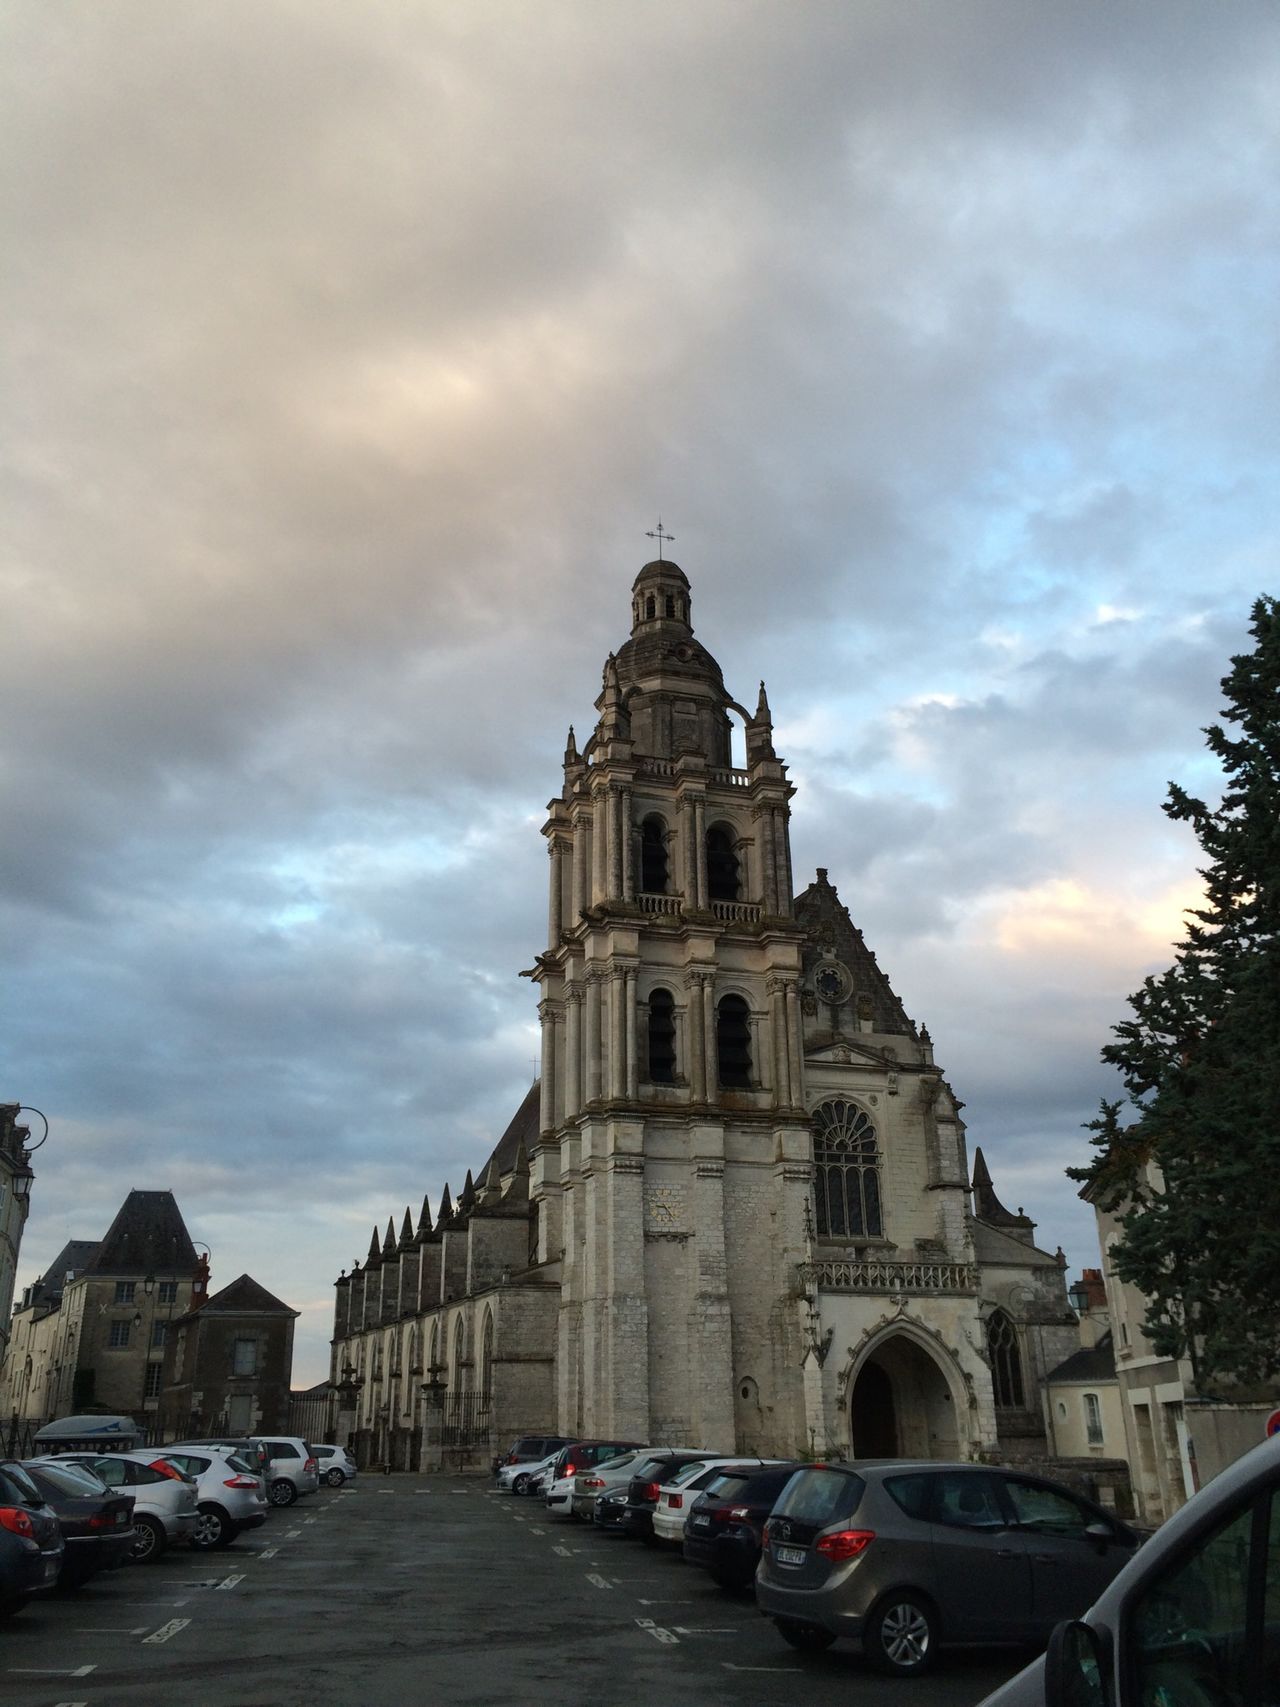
(737, 1209)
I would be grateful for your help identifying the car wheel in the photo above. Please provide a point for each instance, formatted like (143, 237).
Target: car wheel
(810, 1638)
(11, 1603)
(520, 1485)
(213, 1529)
(149, 1542)
(282, 1492)
(334, 1477)
(901, 1635)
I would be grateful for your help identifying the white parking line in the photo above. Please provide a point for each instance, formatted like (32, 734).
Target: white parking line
(729, 1666)
(71, 1704)
(657, 1632)
(164, 1632)
(537, 1532)
(292, 1534)
(563, 1552)
(706, 1629)
(268, 1553)
(110, 1630)
(230, 1582)
(61, 1671)
(599, 1581)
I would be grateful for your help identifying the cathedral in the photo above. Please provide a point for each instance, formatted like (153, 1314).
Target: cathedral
(736, 1209)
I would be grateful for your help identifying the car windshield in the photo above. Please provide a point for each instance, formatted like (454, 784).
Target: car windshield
(725, 1485)
(687, 1472)
(17, 1487)
(240, 1466)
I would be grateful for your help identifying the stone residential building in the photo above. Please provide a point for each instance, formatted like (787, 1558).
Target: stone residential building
(228, 1363)
(91, 1332)
(736, 1208)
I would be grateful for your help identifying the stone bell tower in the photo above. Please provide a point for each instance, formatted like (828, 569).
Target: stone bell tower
(673, 1164)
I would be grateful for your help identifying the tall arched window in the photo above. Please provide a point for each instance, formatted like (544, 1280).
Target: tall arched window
(433, 1356)
(486, 1354)
(654, 870)
(651, 607)
(733, 1043)
(723, 876)
(846, 1175)
(1006, 1361)
(662, 1038)
(459, 1352)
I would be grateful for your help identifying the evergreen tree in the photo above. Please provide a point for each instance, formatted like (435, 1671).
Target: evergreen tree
(1194, 1164)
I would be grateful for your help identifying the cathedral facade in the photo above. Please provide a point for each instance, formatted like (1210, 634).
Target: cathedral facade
(736, 1210)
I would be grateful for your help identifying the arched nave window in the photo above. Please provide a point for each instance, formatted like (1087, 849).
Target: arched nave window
(846, 1173)
(459, 1352)
(733, 1043)
(1006, 1361)
(486, 1354)
(654, 870)
(724, 881)
(662, 1037)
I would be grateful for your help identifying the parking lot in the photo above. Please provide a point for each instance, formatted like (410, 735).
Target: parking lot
(431, 1589)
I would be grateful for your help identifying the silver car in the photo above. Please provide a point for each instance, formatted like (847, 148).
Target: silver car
(598, 1479)
(292, 1470)
(229, 1493)
(335, 1464)
(907, 1556)
(164, 1499)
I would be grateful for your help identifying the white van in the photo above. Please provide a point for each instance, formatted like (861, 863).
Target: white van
(1192, 1620)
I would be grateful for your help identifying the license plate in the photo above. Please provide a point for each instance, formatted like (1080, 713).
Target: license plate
(50, 1571)
(789, 1555)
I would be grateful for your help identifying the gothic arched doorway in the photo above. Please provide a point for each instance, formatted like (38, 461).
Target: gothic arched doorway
(901, 1405)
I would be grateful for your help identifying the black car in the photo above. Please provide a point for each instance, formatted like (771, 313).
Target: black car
(635, 1515)
(96, 1521)
(726, 1522)
(31, 1547)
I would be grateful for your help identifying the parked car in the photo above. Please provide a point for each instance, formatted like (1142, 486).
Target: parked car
(518, 1478)
(530, 1449)
(252, 1451)
(676, 1497)
(164, 1500)
(96, 1521)
(244, 1464)
(229, 1493)
(292, 1469)
(907, 1556)
(31, 1545)
(725, 1530)
(1193, 1619)
(634, 1515)
(334, 1464)
(569, 1461)
(589, 1484)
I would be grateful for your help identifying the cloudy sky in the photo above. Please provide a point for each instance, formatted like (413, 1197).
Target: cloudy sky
(350, 351)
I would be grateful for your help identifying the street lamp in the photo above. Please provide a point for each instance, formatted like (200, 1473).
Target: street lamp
(1078, 1297)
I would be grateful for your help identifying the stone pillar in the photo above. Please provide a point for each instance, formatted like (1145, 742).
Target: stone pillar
(696, 1066)
(573, 1053)
(700, 853)
(633, 1038)
(581, 865)
(555, 903)
(709, 1035)
(617, 857)
(628, 849)
(547, 1103)
(793, 1042)
(618, 1035)
(781, 1065)
(688, 853)
(593, 1036)
(599, 845)
(768, 855)
(786, 882)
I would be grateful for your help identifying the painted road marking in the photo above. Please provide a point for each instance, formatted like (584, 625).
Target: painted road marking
(706, 1629)
(110, 1630)
(149, 1602)
(165, 1631)
(644, 1602)
(657, 1632)
(268, 1552)
(563, 1552)
(39, 1671)
(71, 1704)
(292, 1534)
(598, 1580)
(537, 1532)
(729, 1666)
(230, 1582)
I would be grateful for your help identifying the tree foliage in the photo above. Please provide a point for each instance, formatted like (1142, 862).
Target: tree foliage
(1193, 1162)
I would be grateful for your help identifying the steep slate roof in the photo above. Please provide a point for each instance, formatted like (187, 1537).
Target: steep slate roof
(1090, 1363)
(827, 924)
(148, 1236)
(245, 1296)
(74, 1256)
(522, 1130)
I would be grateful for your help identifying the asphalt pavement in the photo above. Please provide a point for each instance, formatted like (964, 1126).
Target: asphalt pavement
(435, 1590)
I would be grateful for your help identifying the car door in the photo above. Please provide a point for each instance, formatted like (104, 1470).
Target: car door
(977, 1569)
(1069, 1566)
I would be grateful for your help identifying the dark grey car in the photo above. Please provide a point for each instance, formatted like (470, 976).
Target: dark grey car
(906, 1556)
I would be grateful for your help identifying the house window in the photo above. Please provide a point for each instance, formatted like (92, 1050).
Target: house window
(168, 1293)
(723, 877)
(654, 870)
(733, 1043)
(662, 1038)
(152, 1388)
(124, 1291)
(846, 1172)
(1006, 1361)
(157, 1333)
(244, 1360)
(1092, 1419)
(119, 1335)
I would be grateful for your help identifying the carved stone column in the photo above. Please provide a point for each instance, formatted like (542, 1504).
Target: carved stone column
(786, 882)
(573, 1052)
(555, 900)
(628, 848)
(581, 865)
(709, 1035)
(700, 853)
(697, 1063)
(599, 845)
(781, 1074)
(688, 854)
(768, 859)
(794, 1053)
(547, 1094)
(593, 1037)
(633, 1037)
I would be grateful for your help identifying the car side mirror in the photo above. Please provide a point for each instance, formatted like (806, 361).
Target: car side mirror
(1102, 1533)
(1074, 1667)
